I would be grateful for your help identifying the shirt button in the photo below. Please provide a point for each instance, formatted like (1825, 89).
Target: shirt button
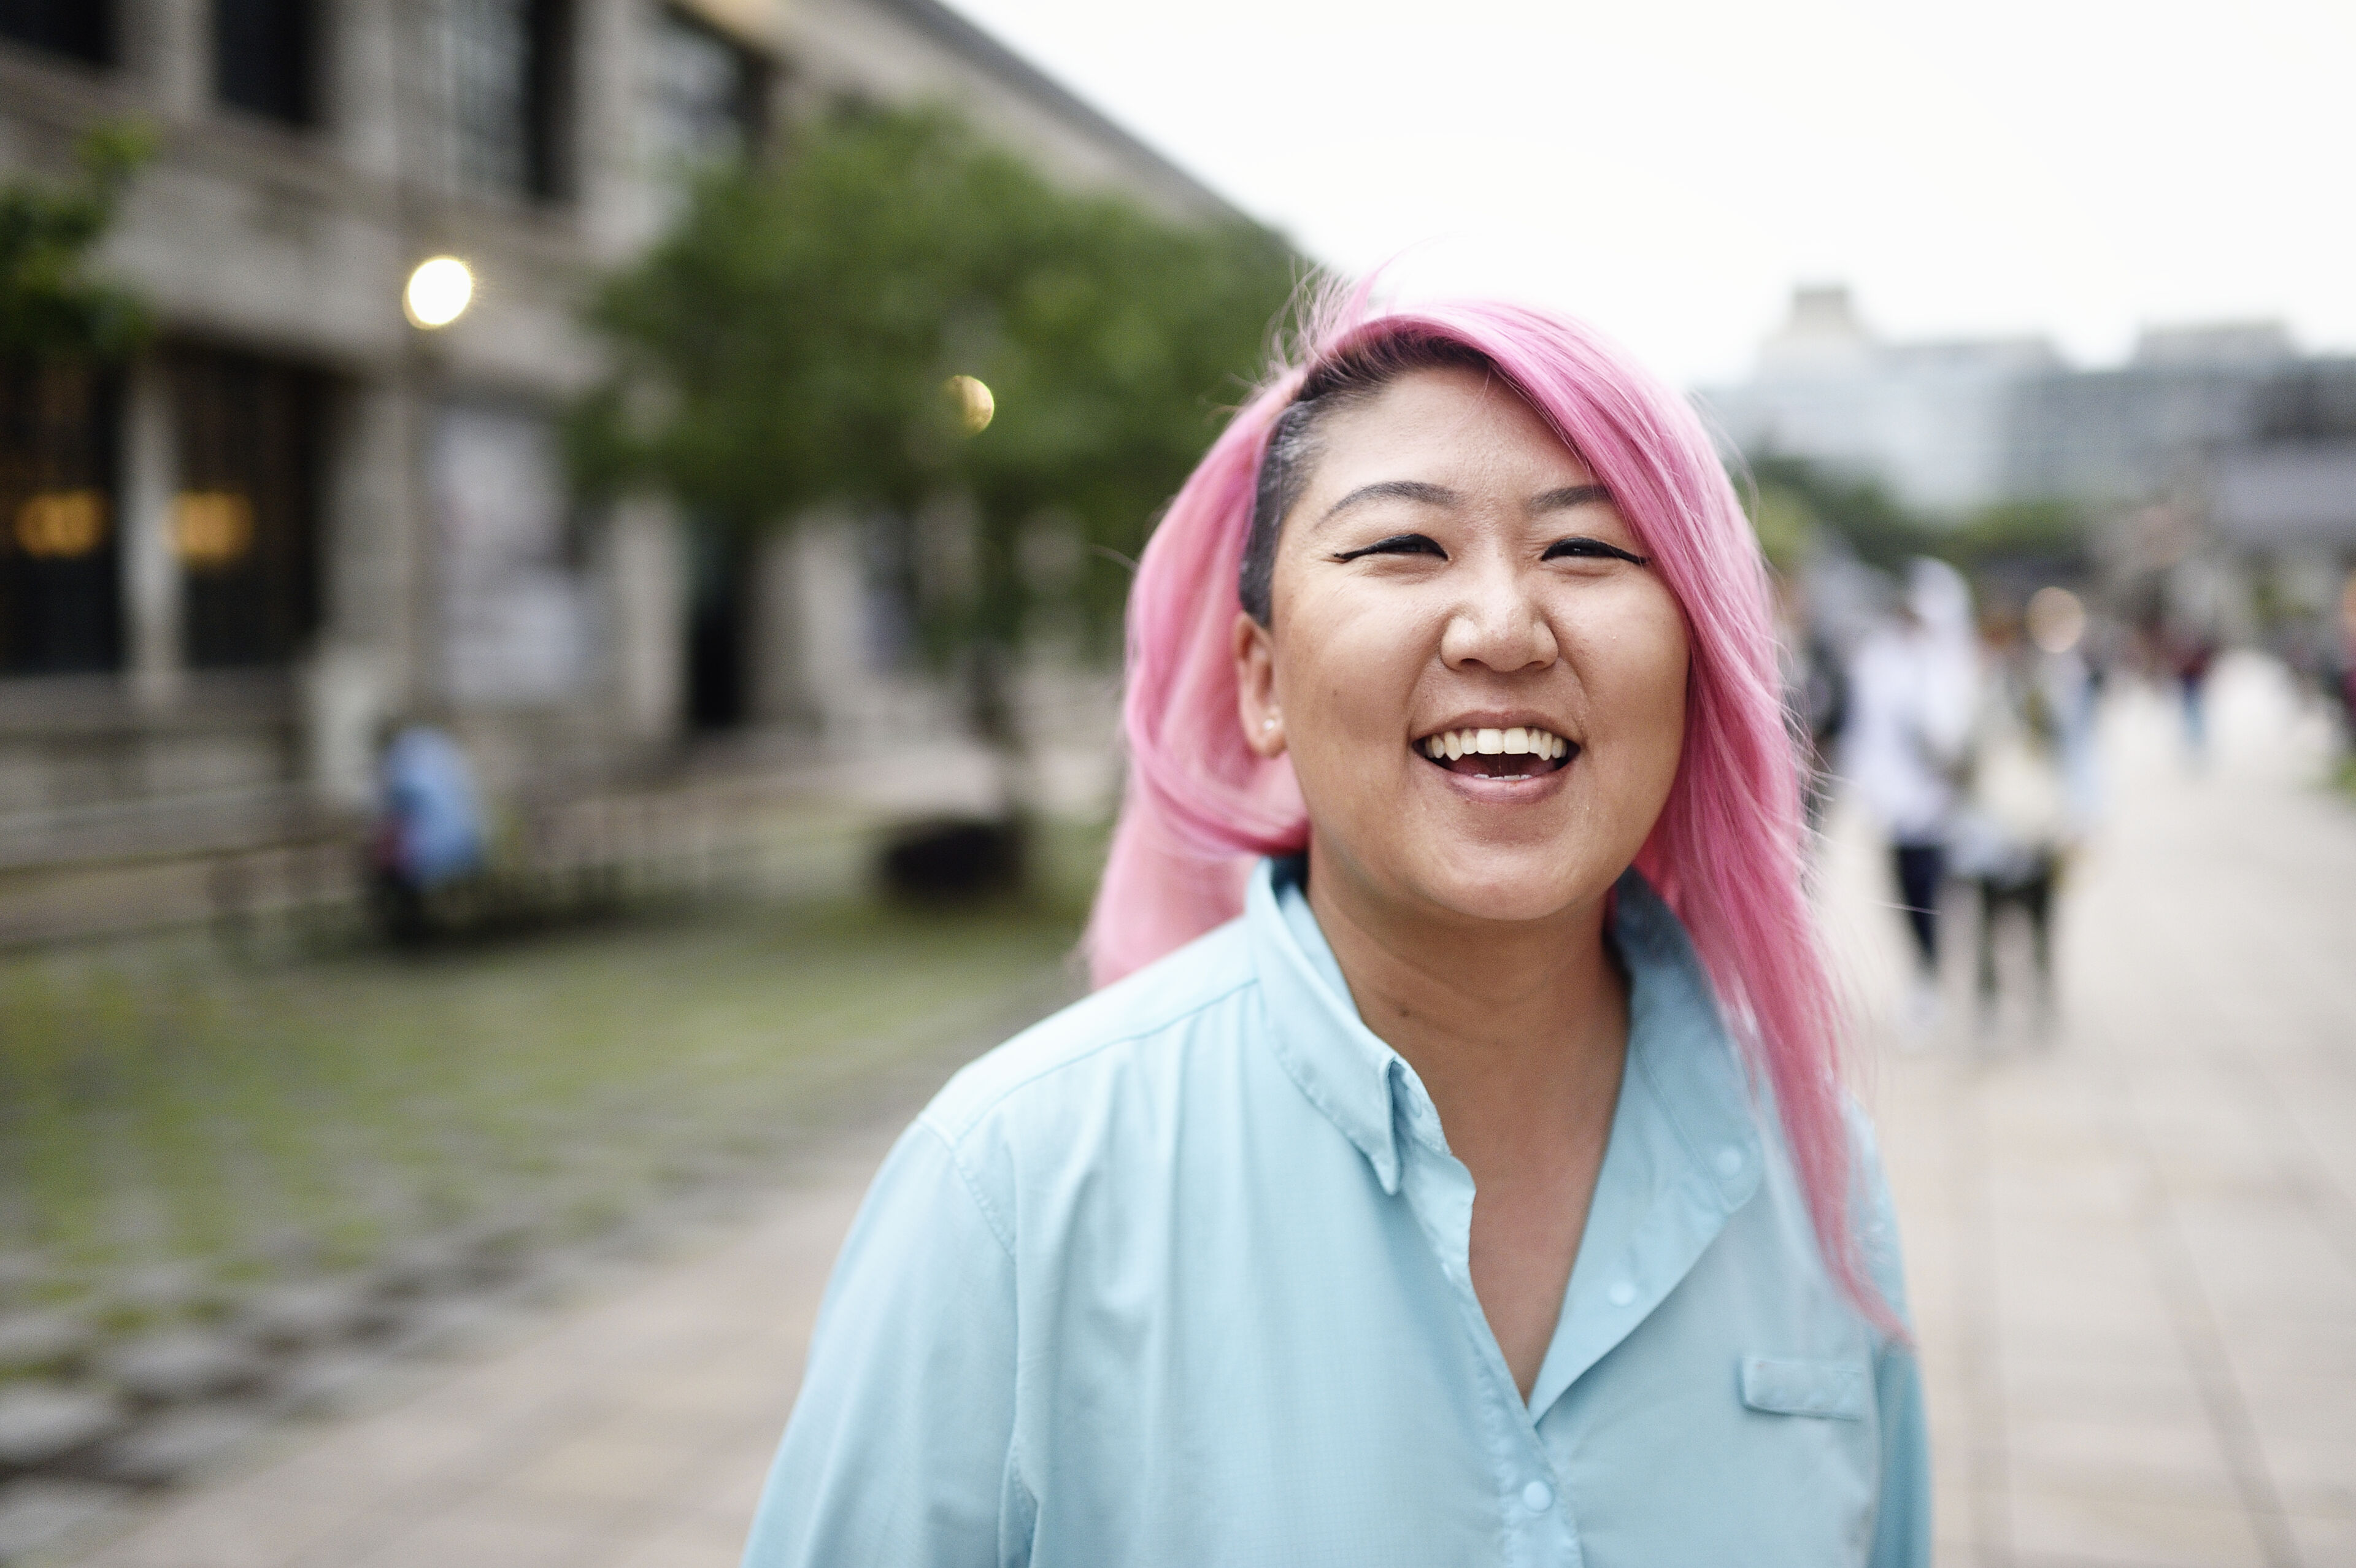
(1729, 1161)
(1621, 1294)
(1537, 1497)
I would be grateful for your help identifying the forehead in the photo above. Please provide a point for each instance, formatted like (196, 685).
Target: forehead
(1450, 425)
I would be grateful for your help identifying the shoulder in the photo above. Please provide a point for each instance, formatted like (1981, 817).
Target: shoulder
(1087, 1051)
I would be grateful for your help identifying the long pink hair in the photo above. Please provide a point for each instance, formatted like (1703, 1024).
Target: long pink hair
(1725, 854)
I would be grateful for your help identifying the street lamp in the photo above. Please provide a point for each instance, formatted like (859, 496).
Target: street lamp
(438, 292)
(975, 406)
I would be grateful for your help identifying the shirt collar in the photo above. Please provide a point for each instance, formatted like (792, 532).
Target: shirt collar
(1314, 1029)
(1675, 1037)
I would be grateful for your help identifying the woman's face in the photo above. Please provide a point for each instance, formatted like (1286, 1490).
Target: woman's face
(1446, 583)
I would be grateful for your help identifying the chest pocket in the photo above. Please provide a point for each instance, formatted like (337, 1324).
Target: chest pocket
(1832, 1391)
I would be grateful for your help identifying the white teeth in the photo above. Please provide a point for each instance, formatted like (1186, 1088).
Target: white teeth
(1519, 742)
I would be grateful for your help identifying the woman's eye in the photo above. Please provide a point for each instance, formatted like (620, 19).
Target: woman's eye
(1398, 544)
(1581, 549)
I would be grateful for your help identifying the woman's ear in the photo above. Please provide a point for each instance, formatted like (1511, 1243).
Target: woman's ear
(1256, 688)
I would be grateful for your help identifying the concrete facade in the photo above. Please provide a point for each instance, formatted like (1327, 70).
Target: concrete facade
(448, 574)
(1952, 427)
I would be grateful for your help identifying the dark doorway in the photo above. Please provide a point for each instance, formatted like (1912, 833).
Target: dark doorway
(246, 520)
(78, 30)
(719, 694)
(262, 58)
(60, 571)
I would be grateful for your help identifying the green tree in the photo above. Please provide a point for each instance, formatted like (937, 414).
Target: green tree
(50, 307)
(785, 347)
(1793, 497)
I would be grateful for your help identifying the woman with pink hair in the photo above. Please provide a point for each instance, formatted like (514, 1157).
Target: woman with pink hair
(1453, 1167)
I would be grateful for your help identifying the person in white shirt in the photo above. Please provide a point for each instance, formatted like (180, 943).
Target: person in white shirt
(1912, 692)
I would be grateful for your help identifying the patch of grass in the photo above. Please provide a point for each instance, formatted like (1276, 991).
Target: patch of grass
(160, 1103)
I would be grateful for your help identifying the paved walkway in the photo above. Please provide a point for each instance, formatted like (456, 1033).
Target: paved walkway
(2132, 1246)
(632, 1433)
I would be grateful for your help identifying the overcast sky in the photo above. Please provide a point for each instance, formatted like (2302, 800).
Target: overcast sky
(1670, 170)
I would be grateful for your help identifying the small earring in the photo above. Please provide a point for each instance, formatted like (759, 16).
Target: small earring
(1268, 722)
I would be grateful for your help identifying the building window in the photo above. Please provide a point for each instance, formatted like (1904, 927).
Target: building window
(707, 95)
(60, 579)
(514, 616)
(263, 57)
(244, 522)
(78, 30)
(508, 74)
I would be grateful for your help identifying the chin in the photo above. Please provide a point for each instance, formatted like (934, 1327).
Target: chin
(1516, 890)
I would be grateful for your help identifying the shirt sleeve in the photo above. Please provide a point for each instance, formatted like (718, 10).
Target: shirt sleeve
(1901, 1531)
(899, 1449)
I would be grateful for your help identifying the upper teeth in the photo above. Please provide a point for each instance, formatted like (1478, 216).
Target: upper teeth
(1451, 744)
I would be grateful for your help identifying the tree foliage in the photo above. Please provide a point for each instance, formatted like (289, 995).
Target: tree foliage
(785, 347)
(1793, 497)
(50, 308)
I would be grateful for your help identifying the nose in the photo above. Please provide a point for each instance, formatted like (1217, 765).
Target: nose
(1498, 625)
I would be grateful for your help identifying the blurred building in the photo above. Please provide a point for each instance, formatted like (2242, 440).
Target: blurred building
(1934, 421)
(1952, 427)
(2218, 457)
(300, 516)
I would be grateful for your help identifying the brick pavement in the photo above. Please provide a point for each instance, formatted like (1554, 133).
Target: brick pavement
(2131, 1249)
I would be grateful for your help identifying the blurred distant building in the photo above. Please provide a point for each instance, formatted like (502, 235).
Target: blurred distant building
(2217, 441)
(299, 517)
(1952, 427)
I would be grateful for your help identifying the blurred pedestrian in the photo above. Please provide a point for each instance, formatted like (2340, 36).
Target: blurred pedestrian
(1264, 1252)
(2023, 812)
(2346, 671)
(1816, 692)
(2191, 653)
(1911, 706)
(429, 830)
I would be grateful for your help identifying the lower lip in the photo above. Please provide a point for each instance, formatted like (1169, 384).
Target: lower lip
(1491, 790)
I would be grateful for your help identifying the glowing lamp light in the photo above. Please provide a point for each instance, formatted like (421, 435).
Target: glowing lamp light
(211, 527)
(438, 293)
(61, 524)
(975, 406)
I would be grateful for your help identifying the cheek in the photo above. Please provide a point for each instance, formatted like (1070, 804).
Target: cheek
(1637, 673)
(1344, 672)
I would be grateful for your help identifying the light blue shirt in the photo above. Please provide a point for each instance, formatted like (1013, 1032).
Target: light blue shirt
(1179, 1279)
(429, 792)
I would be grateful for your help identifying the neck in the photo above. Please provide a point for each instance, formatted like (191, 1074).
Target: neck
(1512, 1027)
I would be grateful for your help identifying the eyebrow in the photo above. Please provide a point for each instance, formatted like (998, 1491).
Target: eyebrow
(1571, 496)
(1430, 495)
(1394, 490)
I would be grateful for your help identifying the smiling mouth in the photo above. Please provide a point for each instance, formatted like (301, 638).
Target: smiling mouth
(1514, 753)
